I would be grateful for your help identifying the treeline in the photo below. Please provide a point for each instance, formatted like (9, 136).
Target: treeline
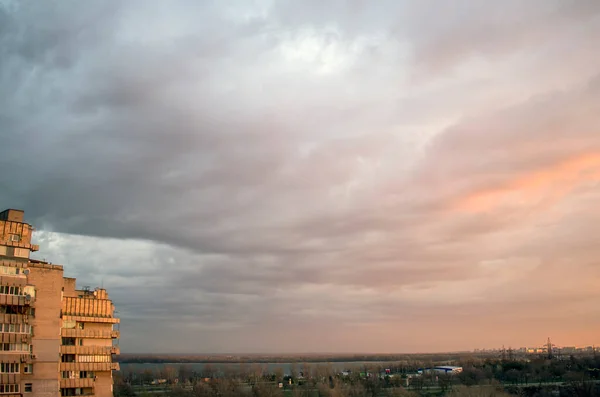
(222, 359)
(540, 377)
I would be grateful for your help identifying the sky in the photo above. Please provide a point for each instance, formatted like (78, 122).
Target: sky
(305, 176)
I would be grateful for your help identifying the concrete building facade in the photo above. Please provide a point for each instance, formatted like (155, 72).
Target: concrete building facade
(56, 340)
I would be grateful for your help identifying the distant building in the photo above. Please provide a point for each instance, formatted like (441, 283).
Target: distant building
(56, 340)
(446, 369)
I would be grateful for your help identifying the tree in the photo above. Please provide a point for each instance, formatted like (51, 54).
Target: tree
(470, 376)
(266, 390)
(147, 376)
(228, 388)
(186, 374)
(202, 389)
(401, 392)
(483, 391)
(445, 381)
(208, 371)
(278, 372)
(168, 373)
(123, 390)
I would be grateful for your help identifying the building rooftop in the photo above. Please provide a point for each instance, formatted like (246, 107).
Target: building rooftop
(12, 215)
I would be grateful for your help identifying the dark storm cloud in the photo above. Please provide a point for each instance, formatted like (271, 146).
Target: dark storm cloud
(232, 170)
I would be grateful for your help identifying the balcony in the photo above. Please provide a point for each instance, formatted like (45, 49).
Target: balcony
(99, 367)
(22, 244)
(6, 379)
(11, 337)
(84, 333)
(16, 300)
(102, 350)
(15, 357)
(90, 319)
(14, 318)
(79, 382)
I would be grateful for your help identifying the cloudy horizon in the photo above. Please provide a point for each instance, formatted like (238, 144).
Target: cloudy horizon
(285, 176)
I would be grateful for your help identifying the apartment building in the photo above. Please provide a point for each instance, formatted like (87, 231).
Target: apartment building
(56, 340)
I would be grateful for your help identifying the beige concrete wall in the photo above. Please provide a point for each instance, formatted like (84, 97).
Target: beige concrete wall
(103, 384)
(69, 287)
(97, 342)
(46, 339)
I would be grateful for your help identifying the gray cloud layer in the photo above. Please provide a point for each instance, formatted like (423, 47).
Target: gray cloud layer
(256, 175)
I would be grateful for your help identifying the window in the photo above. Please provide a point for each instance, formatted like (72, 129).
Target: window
(68, 341)
(28, 388)
(15, 238)
(9, 368)
(79, 391)
(16, 328)
(94, 358)
(69, 324)
(28, 368)
(9, 388)
(6, 290)
(79, 325)
(21, 253)
(68, 358)
(29, 290)
(16, 347)
(11, 271)
(70, 375)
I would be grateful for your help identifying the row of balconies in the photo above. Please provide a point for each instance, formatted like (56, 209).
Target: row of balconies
(88, 333)
(90, 350)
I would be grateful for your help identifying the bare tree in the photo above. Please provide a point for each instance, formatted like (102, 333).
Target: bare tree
(266, 390)
(481, 391)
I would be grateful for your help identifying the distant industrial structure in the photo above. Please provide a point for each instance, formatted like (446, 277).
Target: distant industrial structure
(549, 350)
(56, 340)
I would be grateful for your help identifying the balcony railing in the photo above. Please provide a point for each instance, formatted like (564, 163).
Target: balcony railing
(78, 382)
(102, 350)
(6, 379)
(99, 367)
(12, 337)
(14, 318)
(15, 357)
(16, 300)
(90, 319)
(84, 333)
